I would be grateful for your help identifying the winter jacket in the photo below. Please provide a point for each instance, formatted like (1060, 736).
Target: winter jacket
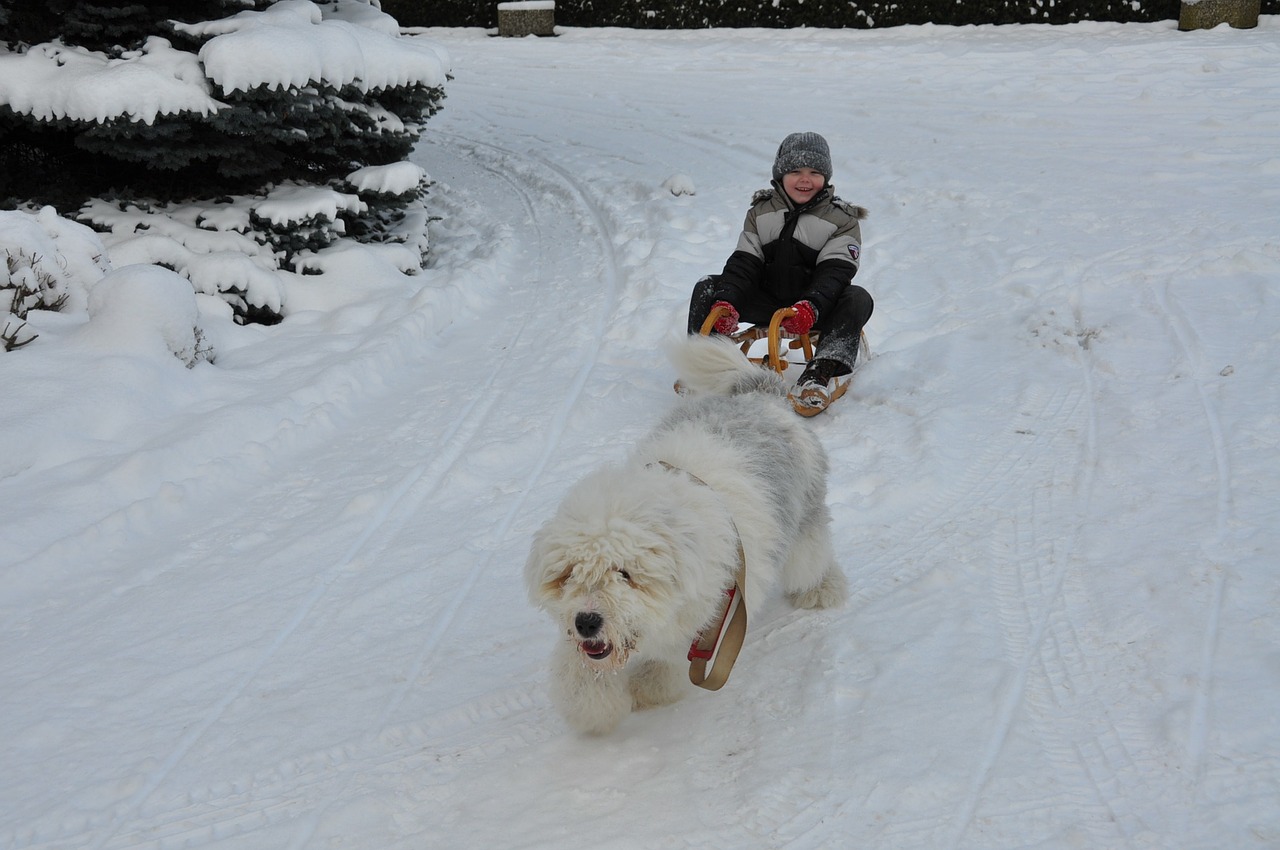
(794, 253)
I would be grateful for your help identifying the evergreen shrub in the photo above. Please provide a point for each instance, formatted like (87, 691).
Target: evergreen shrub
(835, 14)
(156, 106)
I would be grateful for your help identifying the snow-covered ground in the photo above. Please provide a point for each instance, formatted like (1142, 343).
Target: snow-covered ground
(274, 601)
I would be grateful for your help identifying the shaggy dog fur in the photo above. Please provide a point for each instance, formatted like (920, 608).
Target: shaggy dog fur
(636, 560)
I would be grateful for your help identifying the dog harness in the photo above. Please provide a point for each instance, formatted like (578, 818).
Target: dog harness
(722, 645)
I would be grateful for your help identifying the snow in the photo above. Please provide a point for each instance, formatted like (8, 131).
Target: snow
(293, 43)
(274, 600)
(291, 204)
(70, 254)
(55, 81)
(290, 45)
(398, 178)
(142, 311)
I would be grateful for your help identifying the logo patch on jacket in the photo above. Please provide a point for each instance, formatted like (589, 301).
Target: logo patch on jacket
(854, 251)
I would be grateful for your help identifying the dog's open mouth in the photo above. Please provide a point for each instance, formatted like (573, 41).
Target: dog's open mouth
(596, 650)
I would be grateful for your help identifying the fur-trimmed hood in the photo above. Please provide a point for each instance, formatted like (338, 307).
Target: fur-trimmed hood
(854, 210)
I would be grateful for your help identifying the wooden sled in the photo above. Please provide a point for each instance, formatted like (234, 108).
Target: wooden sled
(780, 345)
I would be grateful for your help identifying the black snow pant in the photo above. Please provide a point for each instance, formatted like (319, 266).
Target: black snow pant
(840, 327)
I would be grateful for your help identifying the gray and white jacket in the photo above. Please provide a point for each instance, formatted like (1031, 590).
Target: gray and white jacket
(795, 253)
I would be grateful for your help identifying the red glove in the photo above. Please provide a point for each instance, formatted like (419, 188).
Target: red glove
(802, 321)
(727, 324)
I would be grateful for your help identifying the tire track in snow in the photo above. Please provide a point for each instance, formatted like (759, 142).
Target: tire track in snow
(1112, 770)
(471, 419)
(1028, 576)
(1042, 608)
(587, 362)
(279, 796)
(985, 480)
(223, 470)
(1187, 338)
(396, 505)
(1008, 467)
(553, 435)
(400, 506)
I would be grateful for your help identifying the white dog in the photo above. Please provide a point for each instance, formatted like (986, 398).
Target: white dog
(636, 561)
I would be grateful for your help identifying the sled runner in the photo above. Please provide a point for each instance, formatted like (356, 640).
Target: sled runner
(776, 357)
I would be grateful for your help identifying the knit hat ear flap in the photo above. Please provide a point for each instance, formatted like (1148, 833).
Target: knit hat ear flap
(803, 150)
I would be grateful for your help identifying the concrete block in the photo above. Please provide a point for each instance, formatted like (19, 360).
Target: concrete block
(527, 17)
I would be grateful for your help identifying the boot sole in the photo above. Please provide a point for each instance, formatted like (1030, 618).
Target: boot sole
(814, 400)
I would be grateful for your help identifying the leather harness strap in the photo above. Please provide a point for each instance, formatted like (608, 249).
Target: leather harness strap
(723, 644)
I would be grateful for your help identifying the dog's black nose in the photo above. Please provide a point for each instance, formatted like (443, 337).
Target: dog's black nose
(588, 624)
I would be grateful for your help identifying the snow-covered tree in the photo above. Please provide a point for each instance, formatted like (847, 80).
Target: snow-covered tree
(141, 97)
(156, 104)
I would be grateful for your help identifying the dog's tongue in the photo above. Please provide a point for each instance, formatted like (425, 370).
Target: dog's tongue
(597, 649)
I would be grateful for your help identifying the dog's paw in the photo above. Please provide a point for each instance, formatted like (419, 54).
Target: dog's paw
(829, 593)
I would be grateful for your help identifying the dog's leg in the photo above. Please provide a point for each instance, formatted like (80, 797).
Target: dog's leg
(811, 577)
(830, 591)
(591, 701)
(656, 683)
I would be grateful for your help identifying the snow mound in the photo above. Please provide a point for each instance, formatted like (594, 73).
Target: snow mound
(145, 311)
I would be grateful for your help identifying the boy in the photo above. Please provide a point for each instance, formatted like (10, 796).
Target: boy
(799, 248)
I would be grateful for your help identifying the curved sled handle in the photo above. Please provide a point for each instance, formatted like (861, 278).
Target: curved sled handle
(714, 316)
(776, 358)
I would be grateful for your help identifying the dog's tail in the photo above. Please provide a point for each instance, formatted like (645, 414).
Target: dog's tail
(715, 365)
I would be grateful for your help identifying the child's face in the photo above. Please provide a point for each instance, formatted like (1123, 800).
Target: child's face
(802, 184)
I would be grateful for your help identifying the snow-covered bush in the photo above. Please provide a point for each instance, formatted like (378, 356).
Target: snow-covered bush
(146, 310)
(243, 248)
(54, 264)
(48, 263)
(24, 286)
(288, 91)
(388, 193)
(246, 120)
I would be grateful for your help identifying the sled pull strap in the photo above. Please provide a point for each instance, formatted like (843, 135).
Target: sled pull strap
(722, 644)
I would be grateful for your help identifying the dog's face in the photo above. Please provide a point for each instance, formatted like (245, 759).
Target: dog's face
(606, 589)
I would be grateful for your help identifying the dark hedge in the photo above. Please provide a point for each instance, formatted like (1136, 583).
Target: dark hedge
(837, 14)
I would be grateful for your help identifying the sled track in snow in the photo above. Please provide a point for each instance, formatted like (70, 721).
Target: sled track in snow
(299, 790)
(1027, 572)
(1042, 608)
(1188, 340)
(327, 776)
(427, 651)
(1040, 470)
(574, 392)
(400, 505)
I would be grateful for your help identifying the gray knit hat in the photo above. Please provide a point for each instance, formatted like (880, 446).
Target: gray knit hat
(803, 150)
